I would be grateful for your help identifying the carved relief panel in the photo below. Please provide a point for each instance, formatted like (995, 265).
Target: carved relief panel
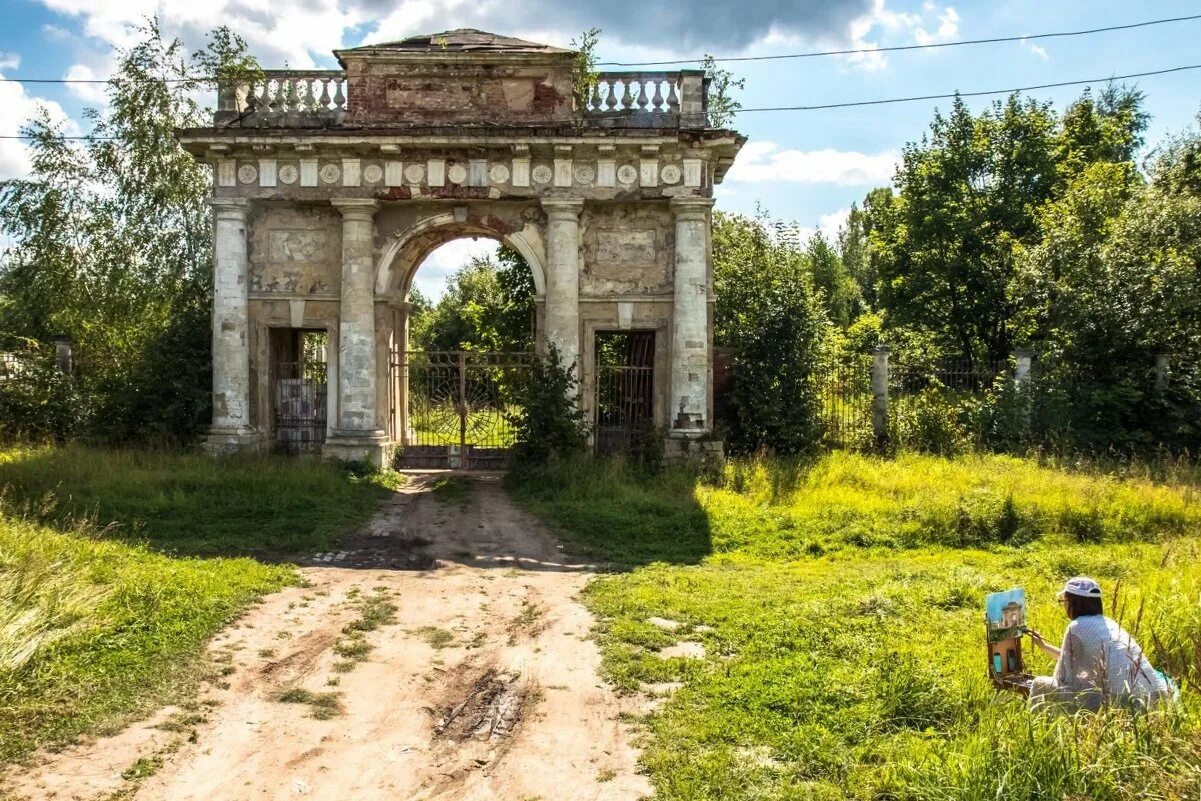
(627, 250)
(295, 251)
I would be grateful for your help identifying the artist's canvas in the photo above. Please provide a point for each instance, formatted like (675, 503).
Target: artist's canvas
(1006, 612)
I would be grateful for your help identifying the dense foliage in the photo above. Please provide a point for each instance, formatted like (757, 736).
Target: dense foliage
(112, 245)
(547, 421)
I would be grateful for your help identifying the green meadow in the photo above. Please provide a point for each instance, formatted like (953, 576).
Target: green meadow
(116, 568)
(839, 603)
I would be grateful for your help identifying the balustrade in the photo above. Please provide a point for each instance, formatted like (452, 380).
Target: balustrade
(284, 97)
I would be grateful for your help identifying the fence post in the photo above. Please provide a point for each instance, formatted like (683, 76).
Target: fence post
(1021, 370)
(1163, 372)
(880, 393)
(63, 354)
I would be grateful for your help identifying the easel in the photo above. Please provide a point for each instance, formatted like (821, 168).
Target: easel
(1006, 667)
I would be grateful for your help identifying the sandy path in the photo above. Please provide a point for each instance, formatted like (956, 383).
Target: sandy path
(512, 708)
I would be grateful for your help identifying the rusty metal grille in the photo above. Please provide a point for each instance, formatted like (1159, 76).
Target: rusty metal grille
(301, 406)
(456, 408)
(625, 390)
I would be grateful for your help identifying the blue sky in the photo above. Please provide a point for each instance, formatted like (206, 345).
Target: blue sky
(802, 166)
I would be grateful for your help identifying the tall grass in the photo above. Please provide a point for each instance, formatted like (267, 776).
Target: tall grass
(840, 604)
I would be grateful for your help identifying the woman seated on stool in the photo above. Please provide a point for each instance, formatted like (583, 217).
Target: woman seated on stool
(1099, 661)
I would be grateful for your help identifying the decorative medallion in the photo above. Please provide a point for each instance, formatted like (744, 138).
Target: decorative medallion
(457, 174)
(627, 174)
(542, 174)
(499, 174)
(373, 173)
(288, 174)
(330, 173)
(670, 174)
(585, 174)
(414, 173)
(248, 173)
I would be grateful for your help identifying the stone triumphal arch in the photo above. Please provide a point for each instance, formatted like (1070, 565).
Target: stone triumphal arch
(331, 187)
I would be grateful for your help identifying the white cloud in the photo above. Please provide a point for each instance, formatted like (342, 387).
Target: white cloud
(867, 30)
(948, 28)
(91, 92)
(766, 161)
(1037, 50)
(19, 107)
(827, 226)
(9, 61)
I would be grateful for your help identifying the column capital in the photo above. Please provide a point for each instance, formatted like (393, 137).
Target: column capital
(230, 207)
(362, 208)
(691, 207)
(562, 208)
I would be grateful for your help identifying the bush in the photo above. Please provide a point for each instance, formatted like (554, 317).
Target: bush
(39, 403)
(547, 421)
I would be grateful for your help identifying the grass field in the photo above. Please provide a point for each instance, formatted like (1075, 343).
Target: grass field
(839, 604)
(105, 603)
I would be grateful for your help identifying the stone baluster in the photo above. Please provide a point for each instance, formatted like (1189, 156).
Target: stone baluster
(339, 95)
(611, 97)
(657, 100)
(231, 429)
(673, 101)
(562, 315)
(642, 101)
(325, 100)
(627, 100)
(690, 362)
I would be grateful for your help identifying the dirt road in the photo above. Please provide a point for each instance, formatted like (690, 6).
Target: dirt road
(483, 685)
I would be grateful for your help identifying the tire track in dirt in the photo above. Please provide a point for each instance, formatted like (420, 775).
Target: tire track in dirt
(485, 687)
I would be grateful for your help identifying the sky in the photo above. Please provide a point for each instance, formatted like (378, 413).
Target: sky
(802, 166)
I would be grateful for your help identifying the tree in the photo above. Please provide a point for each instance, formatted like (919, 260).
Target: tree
(767, 310)
(839, 291)
(488, 306)
(112, 242)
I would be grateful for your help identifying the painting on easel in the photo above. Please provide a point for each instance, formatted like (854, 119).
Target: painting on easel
(1005, 623)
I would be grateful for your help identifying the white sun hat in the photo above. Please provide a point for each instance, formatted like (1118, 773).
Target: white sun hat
(1081, 586)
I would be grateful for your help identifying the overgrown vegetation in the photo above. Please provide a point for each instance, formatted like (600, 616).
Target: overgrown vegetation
(192, 505)
(104, 603)
(839, 603)
(547, 421)
(111, 246)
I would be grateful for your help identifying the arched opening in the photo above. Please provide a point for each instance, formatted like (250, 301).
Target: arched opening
(455, 356)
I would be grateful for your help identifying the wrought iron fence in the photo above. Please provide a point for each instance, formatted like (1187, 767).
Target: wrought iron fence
(625, 398)
(844, 394)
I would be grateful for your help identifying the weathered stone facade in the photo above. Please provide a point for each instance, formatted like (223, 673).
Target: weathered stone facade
(331, 188)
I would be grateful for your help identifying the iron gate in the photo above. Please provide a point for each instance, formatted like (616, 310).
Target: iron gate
(625, 390)
(300, 403)
(455, 409)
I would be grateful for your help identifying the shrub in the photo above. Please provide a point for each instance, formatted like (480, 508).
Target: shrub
(39, 403)
(547, 421)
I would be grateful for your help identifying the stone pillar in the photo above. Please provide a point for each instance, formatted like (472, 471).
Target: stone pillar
(357, 435)
(1163, 372)
(562, 313)
(231, 429)
(690, 352)
(1022, 361)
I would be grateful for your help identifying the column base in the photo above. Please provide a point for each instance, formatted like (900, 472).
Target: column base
(368, 447)
(695, 444)
(223, 441)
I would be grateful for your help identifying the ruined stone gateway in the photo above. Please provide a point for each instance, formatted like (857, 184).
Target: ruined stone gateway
(331, 187)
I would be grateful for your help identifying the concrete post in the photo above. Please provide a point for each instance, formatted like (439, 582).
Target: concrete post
(690, 357)
(1163, 372)
(562, 314)
(63, 355)
(1022, 360)
(880, 393)
(358, 436)
(231, 429)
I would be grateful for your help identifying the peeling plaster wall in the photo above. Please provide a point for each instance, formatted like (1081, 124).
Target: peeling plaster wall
(295, 250)
(627, 250)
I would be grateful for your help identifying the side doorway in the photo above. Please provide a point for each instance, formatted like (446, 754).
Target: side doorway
(625, 390)
(299, 388)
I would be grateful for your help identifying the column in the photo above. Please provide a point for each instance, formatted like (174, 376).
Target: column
(690, 362)
(357, 435)
(562, 313)
(231, 429)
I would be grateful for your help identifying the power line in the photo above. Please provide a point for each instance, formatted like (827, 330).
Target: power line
(849, 104)
(973, 94)
(816, 54)
(899, 48)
